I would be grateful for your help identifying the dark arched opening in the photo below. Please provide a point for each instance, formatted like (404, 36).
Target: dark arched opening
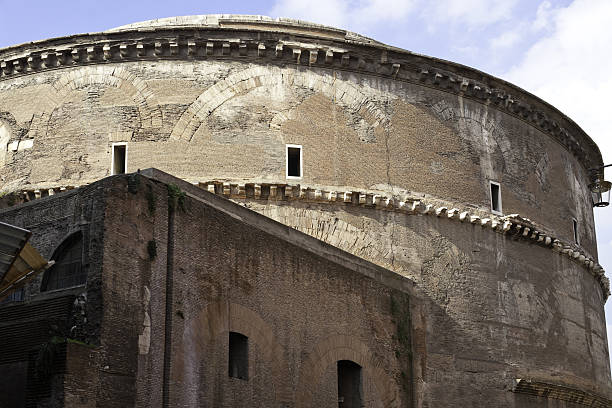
(349, 384)
(67, 270)
(238, 361)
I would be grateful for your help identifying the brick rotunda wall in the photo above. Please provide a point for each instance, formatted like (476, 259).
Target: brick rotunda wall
(218, 103)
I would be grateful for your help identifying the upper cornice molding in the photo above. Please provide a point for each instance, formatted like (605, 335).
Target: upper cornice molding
(283, 42)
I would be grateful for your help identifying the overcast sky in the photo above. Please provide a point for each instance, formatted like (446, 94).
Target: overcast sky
(556, 49)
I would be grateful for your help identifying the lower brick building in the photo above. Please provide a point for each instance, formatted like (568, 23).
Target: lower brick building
(163, 294)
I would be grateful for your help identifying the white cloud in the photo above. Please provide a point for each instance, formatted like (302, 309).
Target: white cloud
(522, 29)
(471, 13)
(543, 16)
(345, 14)
(360, 15)
(330, 12)
(467, 50)
(570, 67)
(506, 39)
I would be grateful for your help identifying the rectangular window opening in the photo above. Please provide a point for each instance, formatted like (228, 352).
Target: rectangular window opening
(349, 384)
(496, 203)
(119, 158)
(238, 366)
(294, 161)
(575, 225)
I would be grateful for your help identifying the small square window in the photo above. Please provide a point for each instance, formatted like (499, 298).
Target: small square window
(496, 201)
(119, 158)
(238, 364)
(294, 161)
(575, 226)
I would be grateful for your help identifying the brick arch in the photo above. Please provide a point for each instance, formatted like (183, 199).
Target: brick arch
(366, 244)
(342, 347)
(117, 77)
(220, 318)
(349, 95)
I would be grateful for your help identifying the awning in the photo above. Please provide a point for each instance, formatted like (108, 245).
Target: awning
(19, 261)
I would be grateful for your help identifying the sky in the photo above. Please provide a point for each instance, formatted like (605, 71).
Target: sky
(557, 49)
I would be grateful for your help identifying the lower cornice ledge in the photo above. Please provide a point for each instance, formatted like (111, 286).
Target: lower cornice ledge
(512, 224)
(560, 392)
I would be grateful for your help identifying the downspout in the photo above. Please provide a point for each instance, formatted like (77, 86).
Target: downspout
(172, 204)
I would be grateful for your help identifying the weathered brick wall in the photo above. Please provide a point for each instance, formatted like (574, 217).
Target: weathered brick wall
(228, 120)
(82, 379)
(486, 309)
(134, 284)
(492, 307)
(368, 118)
(300, 311)
(495, 307)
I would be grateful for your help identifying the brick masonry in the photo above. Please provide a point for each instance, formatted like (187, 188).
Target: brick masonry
(487, 308)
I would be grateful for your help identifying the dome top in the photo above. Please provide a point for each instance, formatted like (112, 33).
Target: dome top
(243, 21)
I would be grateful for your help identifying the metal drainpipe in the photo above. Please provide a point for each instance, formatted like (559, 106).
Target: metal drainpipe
(169, 299)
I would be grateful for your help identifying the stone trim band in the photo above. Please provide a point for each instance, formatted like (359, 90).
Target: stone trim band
(560, 392)
(513, 224)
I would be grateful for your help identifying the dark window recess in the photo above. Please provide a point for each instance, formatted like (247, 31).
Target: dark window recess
(119, 156)
(293, 162)
(238, 366)
(575, 224)
(67, 271)
(349, 384)
(495, 198)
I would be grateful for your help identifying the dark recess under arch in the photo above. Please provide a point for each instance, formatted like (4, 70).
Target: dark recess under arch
(68, 269)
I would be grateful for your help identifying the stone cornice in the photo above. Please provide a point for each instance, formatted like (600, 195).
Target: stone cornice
(511, 225)
(560, 392)
(314, 48)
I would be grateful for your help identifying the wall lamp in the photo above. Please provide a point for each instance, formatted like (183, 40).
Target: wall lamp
(600, 188)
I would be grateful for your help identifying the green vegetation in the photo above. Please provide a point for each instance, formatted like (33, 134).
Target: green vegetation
(150, 199)
(176, 197)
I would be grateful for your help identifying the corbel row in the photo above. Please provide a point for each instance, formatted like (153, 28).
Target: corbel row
(173, 49)
(24, 196)
(560, 392)
(515, 225)
(297, 53)
(502, 101)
